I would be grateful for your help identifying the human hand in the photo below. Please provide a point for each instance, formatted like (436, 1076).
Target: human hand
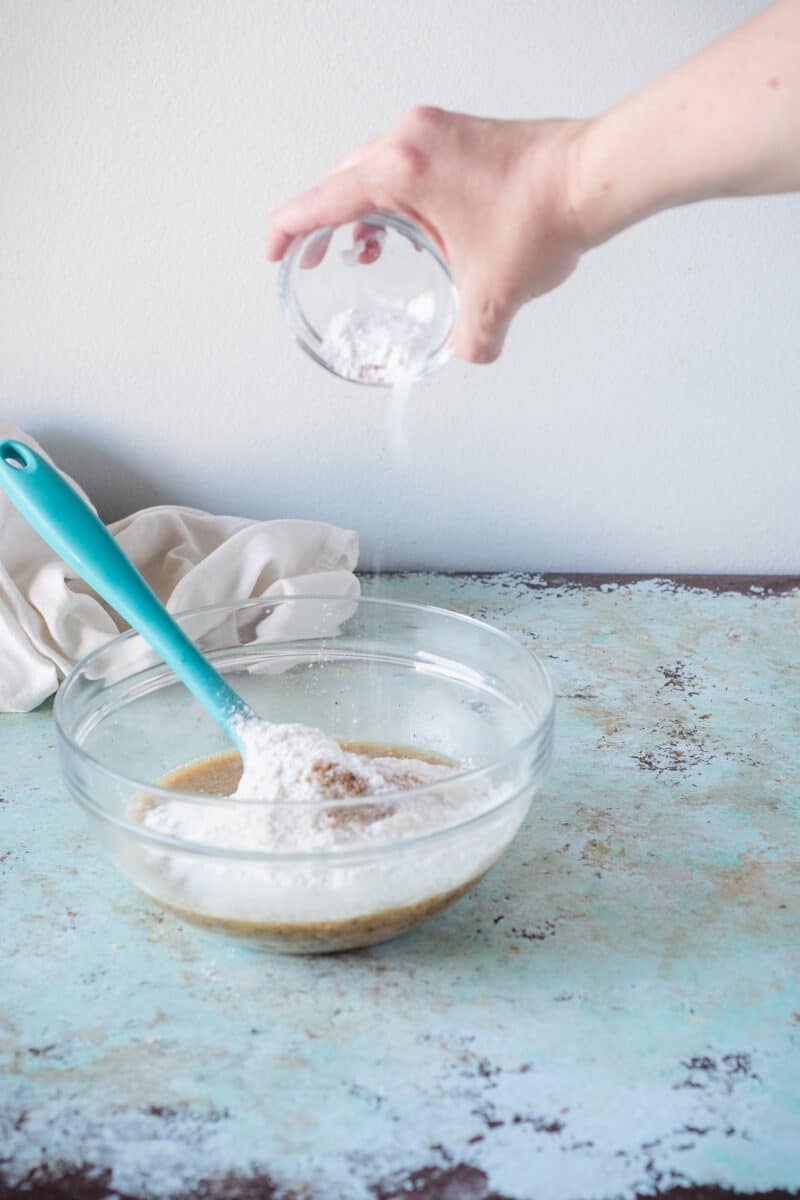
(494, 195)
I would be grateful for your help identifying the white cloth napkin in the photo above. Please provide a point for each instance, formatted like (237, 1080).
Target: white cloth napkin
(49, 618)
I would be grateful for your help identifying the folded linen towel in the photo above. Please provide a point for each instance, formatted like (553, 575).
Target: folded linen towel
(49, 618)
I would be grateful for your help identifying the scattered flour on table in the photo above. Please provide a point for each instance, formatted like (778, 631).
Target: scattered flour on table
(303, 780)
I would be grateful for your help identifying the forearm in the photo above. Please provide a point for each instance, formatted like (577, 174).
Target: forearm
(724, 123)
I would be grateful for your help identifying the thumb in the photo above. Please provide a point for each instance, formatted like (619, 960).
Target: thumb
(483, 322)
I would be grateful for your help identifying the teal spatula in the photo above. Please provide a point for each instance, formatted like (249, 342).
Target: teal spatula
(60, 516)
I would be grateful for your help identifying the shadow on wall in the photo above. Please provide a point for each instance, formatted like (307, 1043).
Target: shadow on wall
(117, 487)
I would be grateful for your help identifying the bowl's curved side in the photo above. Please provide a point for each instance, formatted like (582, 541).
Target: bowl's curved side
(365, 670)
(305, 904)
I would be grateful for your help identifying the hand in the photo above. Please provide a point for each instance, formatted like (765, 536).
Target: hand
(494, 195)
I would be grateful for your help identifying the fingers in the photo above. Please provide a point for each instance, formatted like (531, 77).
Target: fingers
(392, 167)
(343, 196)
(368, 242)
(315, 249)
(354, 157)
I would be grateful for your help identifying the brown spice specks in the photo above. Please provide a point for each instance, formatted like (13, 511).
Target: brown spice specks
(337, 782)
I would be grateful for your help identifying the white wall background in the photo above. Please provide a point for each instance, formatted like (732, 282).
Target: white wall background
(646, 416)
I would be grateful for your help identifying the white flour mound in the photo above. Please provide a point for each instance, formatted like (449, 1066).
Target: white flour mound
(280, 762)
(311, 794)
(381, 344)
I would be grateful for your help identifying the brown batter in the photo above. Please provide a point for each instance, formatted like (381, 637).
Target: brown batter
(220, 776)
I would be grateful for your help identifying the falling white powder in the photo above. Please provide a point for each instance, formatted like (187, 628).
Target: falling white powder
(385, 343)
(396, 426)
(301, 794)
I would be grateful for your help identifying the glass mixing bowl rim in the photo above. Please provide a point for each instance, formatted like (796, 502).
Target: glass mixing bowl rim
(302, 327)
(540, 731)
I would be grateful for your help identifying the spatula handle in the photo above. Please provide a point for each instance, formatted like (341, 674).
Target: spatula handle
(78, 536)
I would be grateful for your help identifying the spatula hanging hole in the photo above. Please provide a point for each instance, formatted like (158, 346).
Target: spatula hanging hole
(13, 457)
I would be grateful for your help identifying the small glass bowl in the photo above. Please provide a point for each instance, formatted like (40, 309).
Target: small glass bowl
(382, 262)
(365, 671)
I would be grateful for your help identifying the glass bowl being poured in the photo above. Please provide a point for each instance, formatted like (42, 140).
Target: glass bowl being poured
(372, 301)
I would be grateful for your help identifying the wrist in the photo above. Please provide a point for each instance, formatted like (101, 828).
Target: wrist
(594, 210)
(552, 174)
(611, 182)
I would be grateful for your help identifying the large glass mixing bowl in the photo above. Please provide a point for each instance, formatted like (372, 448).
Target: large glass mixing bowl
(363, 670)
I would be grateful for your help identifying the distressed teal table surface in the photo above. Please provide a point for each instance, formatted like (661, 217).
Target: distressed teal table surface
(613, 1011)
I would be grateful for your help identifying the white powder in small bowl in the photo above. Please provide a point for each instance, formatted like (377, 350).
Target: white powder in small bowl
(386, 343)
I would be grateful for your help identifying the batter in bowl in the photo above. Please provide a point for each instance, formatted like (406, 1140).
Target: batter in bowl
(311, 906)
